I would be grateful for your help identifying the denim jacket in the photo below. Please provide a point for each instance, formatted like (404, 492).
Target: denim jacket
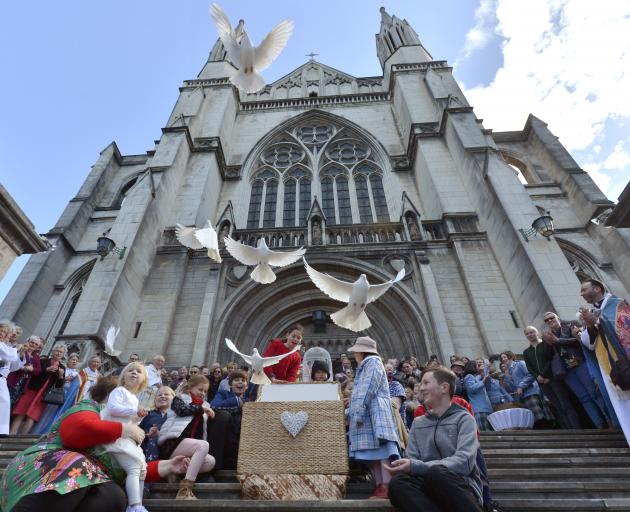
(519, 377)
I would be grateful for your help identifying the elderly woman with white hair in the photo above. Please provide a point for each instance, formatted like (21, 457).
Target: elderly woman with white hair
(29, 354)
(31, 405)
(372, 428)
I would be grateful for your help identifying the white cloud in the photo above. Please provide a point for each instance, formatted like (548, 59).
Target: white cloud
(618, 159)
(484, 28)
(565, 61)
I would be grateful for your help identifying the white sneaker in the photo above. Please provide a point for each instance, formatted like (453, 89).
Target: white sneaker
(136, 508)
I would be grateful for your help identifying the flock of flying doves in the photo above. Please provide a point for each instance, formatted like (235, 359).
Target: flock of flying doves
(249, 61)
(355, 294)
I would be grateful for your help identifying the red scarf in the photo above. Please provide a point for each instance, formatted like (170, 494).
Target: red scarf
(198, 417)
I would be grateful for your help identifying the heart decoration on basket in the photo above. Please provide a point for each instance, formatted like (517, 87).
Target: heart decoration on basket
(294, 422)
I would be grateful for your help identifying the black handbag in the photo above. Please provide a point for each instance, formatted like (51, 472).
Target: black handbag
(558, 368)
(619, 369)
(55, 396)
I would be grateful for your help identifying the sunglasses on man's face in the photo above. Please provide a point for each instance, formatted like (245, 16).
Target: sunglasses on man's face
(193, 372)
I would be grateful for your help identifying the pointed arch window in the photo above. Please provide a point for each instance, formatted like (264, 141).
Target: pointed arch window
(297, 196)
(378, 196)
(371, 200)
(350, 179)
(305, 199)
(255, 200)
(343, 195)
(290, 191)
(68, 315)
(328, 199)
(336, 195)
(124, 191)
(271, 196)
(363, 198)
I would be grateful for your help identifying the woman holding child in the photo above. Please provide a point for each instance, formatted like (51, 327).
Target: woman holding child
(68, 471)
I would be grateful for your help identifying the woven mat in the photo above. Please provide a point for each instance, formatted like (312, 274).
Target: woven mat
(293, 487)
(266, 448)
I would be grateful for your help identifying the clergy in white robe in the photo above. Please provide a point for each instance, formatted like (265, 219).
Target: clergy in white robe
(607, 334)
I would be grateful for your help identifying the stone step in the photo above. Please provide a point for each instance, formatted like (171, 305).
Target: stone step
(511, 505)
(533, 441)
(533, 434)
(559, 461)
(565, 457)
(500, 489)
(559, 473)
(496, 453)
(553, 444)
(205, 505)
(574, 505)
(205, 491)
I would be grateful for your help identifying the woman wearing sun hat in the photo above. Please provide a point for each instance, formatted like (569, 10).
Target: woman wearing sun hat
(372, 429)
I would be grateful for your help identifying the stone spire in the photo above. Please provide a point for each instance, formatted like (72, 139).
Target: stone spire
(394, 34)
(218, 52)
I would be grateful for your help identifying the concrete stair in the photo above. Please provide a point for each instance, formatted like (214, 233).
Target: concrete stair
(530, 471)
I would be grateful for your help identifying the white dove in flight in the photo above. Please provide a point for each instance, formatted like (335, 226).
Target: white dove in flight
(110, 340)
(200, 238)
(250, 60)
(263, 257)
(357, 295)
(258, 362)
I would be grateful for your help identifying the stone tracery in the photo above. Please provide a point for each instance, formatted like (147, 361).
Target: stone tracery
(317, 157)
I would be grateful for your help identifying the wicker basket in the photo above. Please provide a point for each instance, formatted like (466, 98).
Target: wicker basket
(267, 448)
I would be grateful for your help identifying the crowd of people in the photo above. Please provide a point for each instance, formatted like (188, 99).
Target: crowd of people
(414, 425)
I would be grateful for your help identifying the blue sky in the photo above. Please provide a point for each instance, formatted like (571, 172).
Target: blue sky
(78, 75)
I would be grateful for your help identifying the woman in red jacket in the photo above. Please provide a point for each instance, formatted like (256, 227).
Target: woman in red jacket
(31, 405)
(287, 369)
(67, 471)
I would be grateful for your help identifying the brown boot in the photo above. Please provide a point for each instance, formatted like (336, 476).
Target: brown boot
(185, 490)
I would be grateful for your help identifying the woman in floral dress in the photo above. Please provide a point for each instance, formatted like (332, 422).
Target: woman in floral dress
(67, 471)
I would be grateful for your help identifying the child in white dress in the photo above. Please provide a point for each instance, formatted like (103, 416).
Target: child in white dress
(122, 405)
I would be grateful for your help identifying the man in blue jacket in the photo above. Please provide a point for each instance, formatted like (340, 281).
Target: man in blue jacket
(440, 473)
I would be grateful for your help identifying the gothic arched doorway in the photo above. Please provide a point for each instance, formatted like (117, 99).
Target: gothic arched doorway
(254, 314)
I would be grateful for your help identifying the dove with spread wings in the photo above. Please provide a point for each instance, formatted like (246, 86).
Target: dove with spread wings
(110, 340)
(250, 60)
(357, 295)
(258, 362)
(263, 257)
(199, 238)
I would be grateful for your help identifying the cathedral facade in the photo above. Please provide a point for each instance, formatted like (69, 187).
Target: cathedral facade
(369, 174)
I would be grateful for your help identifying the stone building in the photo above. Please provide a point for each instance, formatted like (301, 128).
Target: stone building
(17, 234)
(370, 174)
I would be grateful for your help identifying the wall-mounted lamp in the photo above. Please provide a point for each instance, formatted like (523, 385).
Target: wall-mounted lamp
(543, 225)
(105, 245)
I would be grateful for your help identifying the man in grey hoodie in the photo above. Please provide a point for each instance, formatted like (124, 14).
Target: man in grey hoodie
(440, 473)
